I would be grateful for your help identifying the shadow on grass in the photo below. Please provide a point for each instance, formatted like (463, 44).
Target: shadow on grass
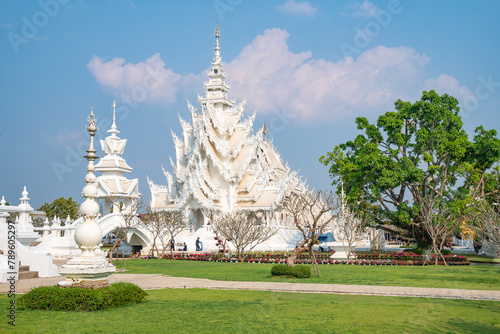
(461, 326)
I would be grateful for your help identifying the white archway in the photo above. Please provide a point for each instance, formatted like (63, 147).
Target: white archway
(110, 222)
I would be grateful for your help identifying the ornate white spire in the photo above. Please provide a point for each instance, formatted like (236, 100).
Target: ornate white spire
(92, 128)
(217, 58)
(113, 146)
(113, 130)
(88, 235)
(216, 89)
(112, 182)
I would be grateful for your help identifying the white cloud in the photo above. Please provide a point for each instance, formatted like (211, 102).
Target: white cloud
(448, 84)
(148, 81)
(297, 8)
(365, 9)
(272, 78)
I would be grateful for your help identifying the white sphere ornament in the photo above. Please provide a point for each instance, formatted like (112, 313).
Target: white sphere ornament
(89, 208)
(88, 235)
(89, 191)
(90, 178)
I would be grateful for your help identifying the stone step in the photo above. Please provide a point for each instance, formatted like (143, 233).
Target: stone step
(27, 274)
(24, 268)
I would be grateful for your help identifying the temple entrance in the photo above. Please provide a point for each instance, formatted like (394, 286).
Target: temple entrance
(197, 218)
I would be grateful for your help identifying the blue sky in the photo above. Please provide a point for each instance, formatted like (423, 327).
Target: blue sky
(307, 69)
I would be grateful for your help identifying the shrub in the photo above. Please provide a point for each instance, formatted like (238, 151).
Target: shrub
(298, 271)
(445, 251)
(81, 299)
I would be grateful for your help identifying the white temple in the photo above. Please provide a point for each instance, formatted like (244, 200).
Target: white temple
(112, 184)
(221, 165)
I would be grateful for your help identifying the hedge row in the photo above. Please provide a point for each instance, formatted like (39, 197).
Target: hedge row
(81, 299)
(298, 271)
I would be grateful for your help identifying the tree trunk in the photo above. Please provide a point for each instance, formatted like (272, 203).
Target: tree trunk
(442, 256)
(123, 256)
(299, 249)
(315, 264)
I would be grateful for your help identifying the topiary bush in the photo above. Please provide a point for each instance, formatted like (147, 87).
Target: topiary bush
(298, 271)
(81, 299)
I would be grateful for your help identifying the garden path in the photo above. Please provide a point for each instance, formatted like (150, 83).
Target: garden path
(157, 281)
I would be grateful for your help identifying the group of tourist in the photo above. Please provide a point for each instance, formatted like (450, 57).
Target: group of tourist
(172, 246)
(198, 244)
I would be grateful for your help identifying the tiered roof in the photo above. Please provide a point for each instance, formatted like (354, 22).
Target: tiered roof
(112, 182)
(220, 163)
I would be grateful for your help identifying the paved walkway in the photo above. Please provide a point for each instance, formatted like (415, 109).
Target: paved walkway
(152, 282)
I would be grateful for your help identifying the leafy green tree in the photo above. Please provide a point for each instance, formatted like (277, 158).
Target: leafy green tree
(417, 150)
(61, 207)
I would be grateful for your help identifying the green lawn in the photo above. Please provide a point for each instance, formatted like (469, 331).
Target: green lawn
(223, 311)
(480, 277)
(483, 259)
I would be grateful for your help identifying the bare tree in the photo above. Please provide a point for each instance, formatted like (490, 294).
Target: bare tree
(486, 224)
(243, 229)
(311, 211)
(438, 222)
(163, 226)
(152, 222)
(129, 219)
(350, 227)
(174, 222)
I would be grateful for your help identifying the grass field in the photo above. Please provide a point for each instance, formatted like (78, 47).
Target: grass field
(221, 311)
(479, 277)
(478, 258)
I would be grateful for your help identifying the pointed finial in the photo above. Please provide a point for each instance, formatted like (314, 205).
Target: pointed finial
(264, 129)
(2, 202)
(113, 129)
(25, 194)
(217, 48)
(92, 120)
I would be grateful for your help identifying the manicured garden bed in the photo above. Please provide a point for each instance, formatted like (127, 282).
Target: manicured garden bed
(410, 258)
(374, 259)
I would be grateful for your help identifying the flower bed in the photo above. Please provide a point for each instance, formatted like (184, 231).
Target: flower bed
(363, 259)
(456, 260)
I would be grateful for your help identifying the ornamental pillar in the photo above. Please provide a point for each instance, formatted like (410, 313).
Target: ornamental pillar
(91, 268)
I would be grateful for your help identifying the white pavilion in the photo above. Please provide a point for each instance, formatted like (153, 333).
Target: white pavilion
(221, 165)
(112, 185)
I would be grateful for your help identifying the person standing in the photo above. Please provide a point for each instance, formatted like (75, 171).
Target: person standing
(172, 244)
(198, 244)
